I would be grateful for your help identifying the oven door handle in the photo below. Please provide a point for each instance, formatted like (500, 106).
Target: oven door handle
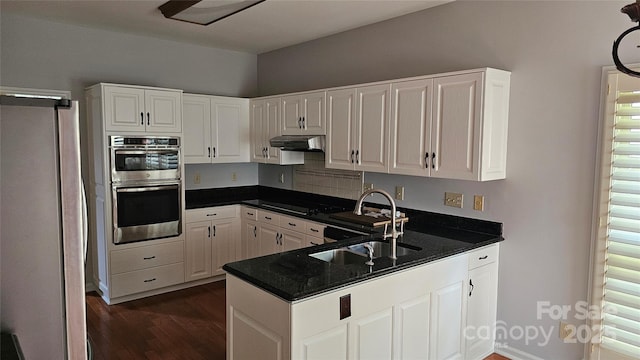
(146, 188)
(146, 151)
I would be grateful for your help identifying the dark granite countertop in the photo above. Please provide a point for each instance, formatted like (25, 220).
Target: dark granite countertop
(294, 275)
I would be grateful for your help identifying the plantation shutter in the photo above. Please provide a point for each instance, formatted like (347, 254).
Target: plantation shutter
(621, 305)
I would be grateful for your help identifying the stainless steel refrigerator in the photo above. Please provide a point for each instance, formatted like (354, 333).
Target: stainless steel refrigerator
(42, 233)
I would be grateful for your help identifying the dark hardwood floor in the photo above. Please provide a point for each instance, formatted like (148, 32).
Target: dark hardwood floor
(186, 325)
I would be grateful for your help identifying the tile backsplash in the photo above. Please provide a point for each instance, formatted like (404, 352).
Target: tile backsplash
(313, 177)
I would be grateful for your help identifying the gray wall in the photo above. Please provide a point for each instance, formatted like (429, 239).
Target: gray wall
(555, 51)
(220, 175)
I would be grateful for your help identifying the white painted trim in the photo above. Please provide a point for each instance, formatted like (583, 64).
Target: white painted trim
(6, 90)
(515, 354)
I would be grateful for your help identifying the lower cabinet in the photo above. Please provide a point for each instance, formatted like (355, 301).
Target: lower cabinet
(414, 314)
(212, 236)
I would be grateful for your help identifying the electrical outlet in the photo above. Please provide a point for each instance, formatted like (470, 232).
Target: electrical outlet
(234, 176)
(453, 199)
(399, 192)
(478, 202)
(367, 186)
(196, 178)
(566, 330)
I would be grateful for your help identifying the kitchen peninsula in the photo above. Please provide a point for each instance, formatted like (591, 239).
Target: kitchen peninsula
(437, 301)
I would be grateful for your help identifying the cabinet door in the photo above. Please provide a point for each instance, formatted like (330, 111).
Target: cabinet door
(291, 115)
(257, 125)
(269, 240)
(456, 126)
(196, 143)
(313, 114)
(481, 311)
(411, 127)
(272, 129)
(372, 336)
(163, 111)
(372, 128)
(198, 245)
(230, 141)
(341, 112)
(250, 240)
(124, 109)
(224, 235)
(291, 240)
(447, 324)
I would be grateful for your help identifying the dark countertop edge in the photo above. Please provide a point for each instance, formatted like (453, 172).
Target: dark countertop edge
(341, 284)
(422, 221)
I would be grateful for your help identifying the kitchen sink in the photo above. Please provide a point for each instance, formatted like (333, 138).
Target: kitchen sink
(341, 256)
(356, 254)
(382, 249)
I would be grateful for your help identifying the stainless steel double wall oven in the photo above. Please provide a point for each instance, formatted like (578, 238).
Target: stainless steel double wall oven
(146, 187)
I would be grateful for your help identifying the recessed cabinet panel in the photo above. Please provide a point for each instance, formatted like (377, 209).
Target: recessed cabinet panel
(291, 115)
(314, 113)
(413, 337)
(164, 112)
(265, 343)
(198, 246)
(197, 127)
(258, 109)
(373, 336)
(229, 130)
(372, 128)
(272, 125)
(330, 344)
(446, 322)
(456, 130)
(411, 127)
(124, 108)
(340, 152)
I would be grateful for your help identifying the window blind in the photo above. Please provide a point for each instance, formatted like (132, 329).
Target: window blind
(621, 321)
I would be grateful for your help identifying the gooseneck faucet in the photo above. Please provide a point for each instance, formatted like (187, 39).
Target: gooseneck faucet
(394, 234)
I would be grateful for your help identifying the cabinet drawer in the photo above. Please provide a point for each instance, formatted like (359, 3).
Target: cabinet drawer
(483, 256)
(146, 256)
(212, 213)
(293, 223)
(147, 279)
(316, 230)
(267, 217)
(249, 213)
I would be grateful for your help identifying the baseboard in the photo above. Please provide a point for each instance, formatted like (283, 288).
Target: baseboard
(515, 354)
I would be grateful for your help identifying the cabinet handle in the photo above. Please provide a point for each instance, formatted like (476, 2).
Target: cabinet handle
(209, 150)
(304, 120)
(433, 160)
(255, 231)
(471, 289)
(267, 217)
(150, 280)
(214, 151)
(483, 257)
(314, 230)
(250, 213)
(352, 153)
(141, 118)
(292, 224)
(148, 119)
(426, 160)
(357, 156)
(209, 228)
(299, 123)
(149, 258)
(214, 214)
(214, 231)
(312, 243)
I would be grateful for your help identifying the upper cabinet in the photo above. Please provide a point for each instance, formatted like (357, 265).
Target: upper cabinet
(216, 129)
(358, 128)
(452, 127)
(140, 109)
(304, 114)
(265, 123)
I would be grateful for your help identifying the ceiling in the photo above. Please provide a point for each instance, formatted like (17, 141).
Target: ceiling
(270, 25)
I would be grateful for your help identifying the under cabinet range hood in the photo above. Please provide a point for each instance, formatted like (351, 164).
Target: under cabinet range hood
(299, 142)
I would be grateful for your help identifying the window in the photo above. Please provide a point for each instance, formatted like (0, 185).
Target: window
(616, 266)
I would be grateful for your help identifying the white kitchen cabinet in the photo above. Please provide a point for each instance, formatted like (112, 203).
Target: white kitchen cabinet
(482, 294)
(303, 114)
(212, 240)
(140, 109)
(469, 129)
(388, 319)
(410, 145)
(269, 239)
(216, 129)
(358, 128)
(265, 124)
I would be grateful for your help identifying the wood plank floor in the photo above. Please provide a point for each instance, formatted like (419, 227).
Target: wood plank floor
(186, 325)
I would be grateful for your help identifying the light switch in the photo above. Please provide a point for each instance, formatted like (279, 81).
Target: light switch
(453, 199)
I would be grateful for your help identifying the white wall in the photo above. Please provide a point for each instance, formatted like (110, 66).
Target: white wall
(555, 51)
